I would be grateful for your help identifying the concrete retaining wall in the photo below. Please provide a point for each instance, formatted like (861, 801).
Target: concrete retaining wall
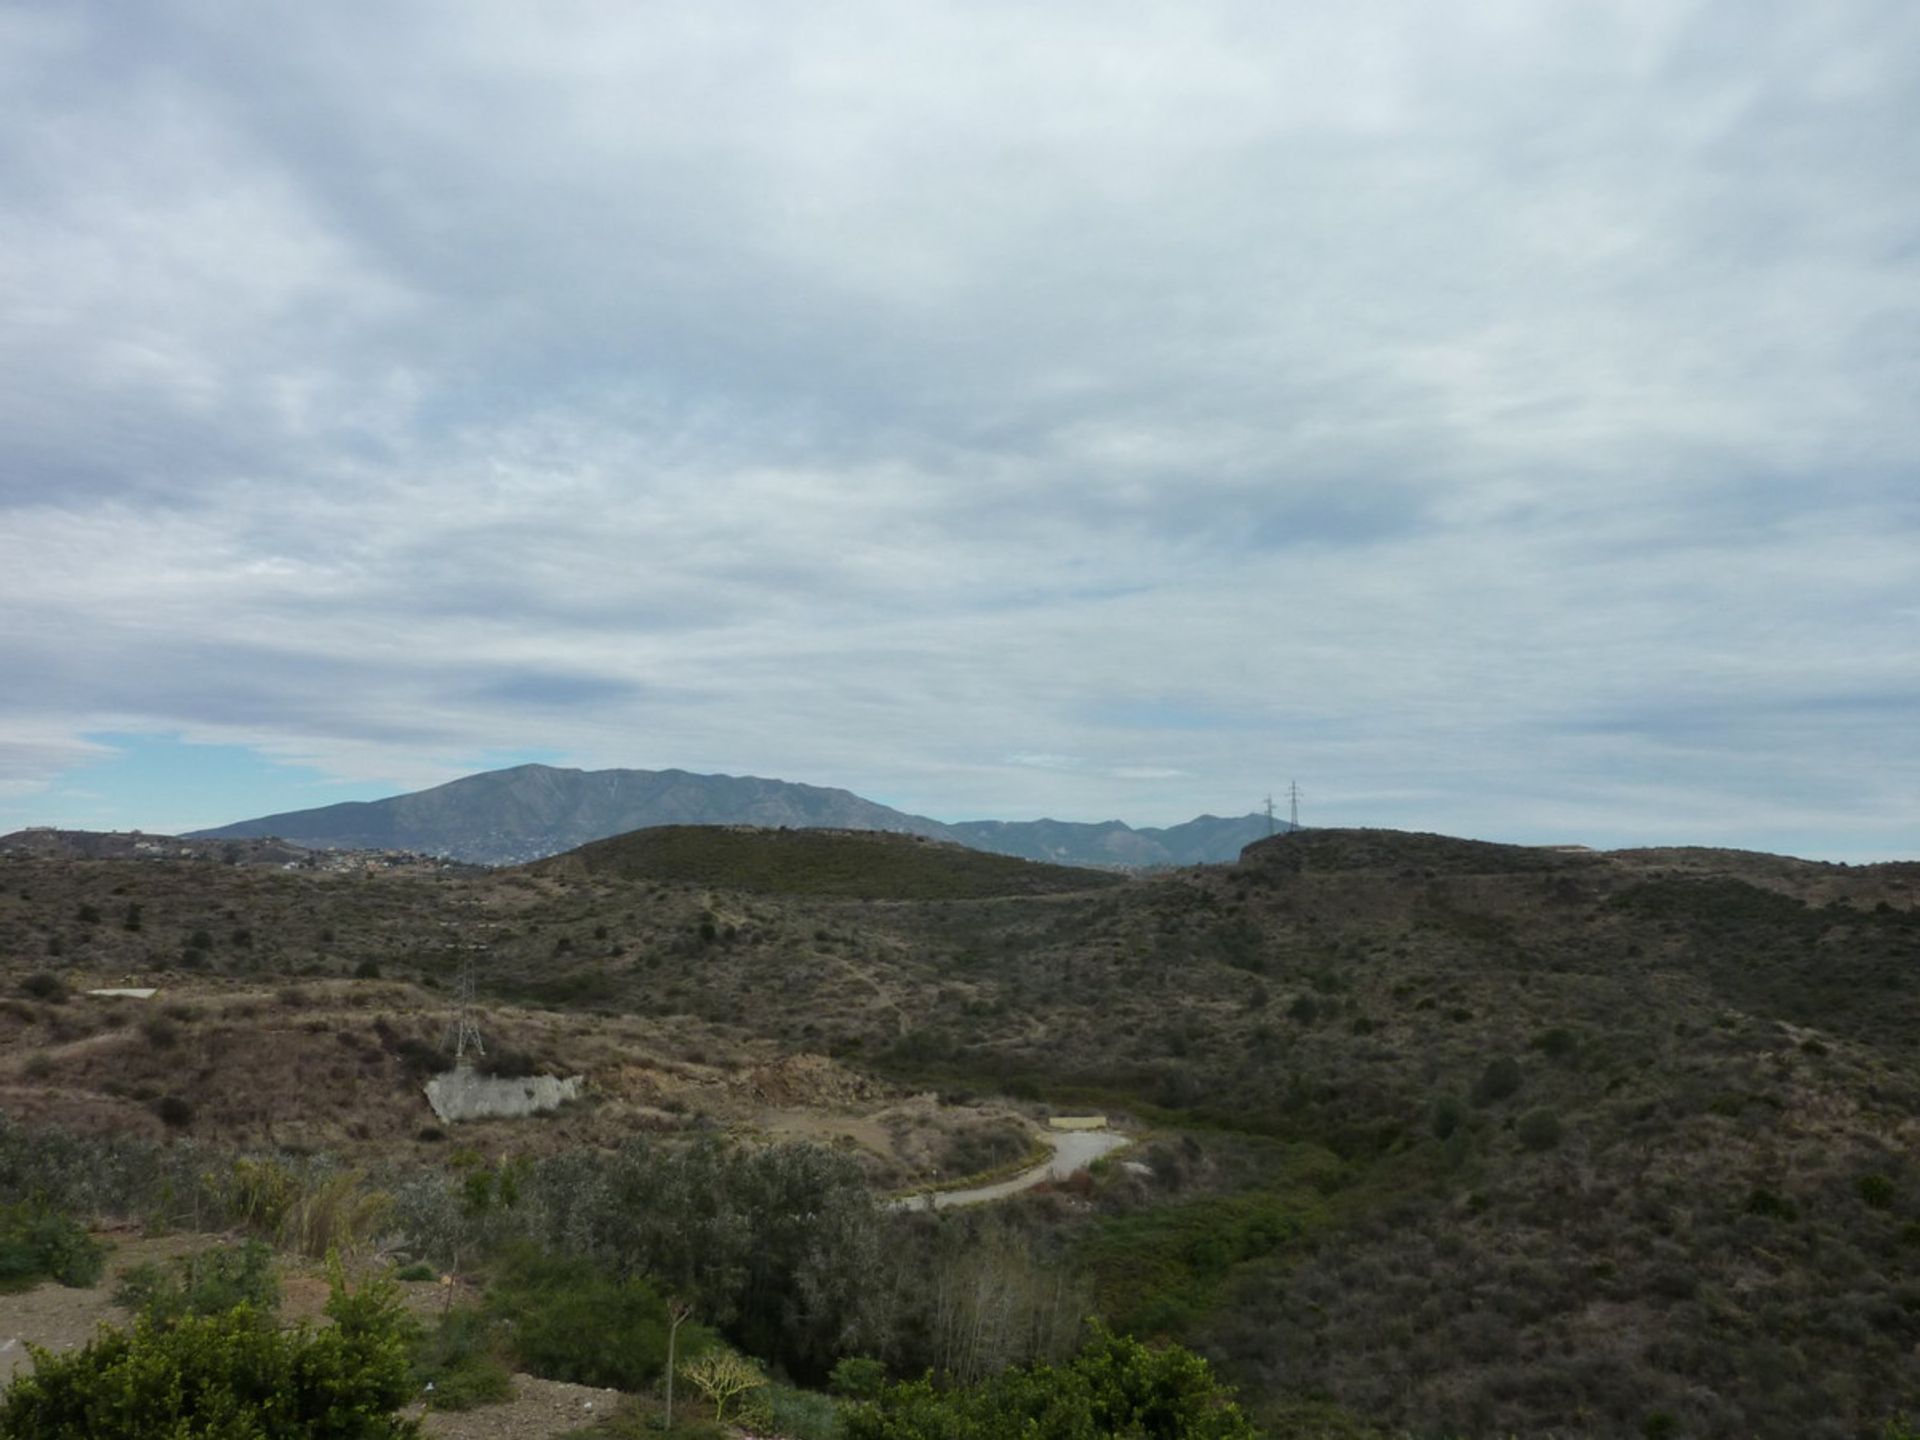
(465, 1095)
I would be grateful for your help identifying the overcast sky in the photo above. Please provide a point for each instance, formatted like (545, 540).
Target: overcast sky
(1502, 418)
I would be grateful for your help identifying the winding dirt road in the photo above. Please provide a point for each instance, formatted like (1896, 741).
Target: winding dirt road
(1073, 1150)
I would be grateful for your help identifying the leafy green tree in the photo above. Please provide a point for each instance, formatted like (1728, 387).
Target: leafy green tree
(571, 1321)
(232, 1376)
(777, 1247)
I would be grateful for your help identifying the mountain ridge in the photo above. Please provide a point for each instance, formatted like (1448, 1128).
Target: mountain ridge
(528, 812)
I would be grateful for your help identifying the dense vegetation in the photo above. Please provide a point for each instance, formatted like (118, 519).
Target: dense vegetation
(230, 1374)
(1115, 1386)
(1447, 1138)
(862, 864)
(37, 1244)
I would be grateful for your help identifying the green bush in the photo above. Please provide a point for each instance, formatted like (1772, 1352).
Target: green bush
(462, 1362)
(226, 1377)
(1114, 1387)
(210, 1283)
(1445, 1116)
(419, 1270)
(1539, 1129)
(42, 986)
(858, 1377)
(795, 1414)
(1557, 1043)
(572, 1321)
(1769, 1205)
(1500, 1080)
(1877, 1191)
(174, 1112)
(39, 1244)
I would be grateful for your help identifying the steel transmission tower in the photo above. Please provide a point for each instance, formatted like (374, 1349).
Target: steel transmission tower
(466, 1030)
(1293, 807)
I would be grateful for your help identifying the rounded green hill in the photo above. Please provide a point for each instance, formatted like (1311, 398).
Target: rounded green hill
(850, 864)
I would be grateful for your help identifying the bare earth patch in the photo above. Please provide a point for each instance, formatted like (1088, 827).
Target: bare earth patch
(539, 1409)
(56, 1318)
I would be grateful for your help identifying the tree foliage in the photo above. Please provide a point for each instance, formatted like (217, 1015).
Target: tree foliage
(777, 1246)
(1114, 1387)
(232, 1376)
(37, 1243)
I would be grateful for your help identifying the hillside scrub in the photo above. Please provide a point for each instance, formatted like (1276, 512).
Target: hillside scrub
(1725, 1045)
(861, 864)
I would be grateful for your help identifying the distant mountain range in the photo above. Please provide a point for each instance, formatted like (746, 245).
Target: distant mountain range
(507, 817)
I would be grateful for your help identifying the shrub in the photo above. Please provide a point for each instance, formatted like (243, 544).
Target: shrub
(417, 1271)
(161, 1033)
(722, 1376)
(1500, 1080)
(571, 1321)
(462, 1362)
(1876, 1191)
(1557, 1043)
(1445, 1116)
(174, 1112)
(1770, 1206)
(1539, 1129)
(367, 970)
(1115, 1386)
(39, 1244)
(313, 1210)
(858, 1377)
(794, 1414)
(235, 1374)
(88, 915)
(1305, 1010)
(210, 1283)
(44, 987)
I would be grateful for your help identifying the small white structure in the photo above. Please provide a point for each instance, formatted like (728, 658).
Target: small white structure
(463, 1094)
(128, 992)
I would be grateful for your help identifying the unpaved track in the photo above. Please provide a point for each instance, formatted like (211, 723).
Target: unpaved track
(1073, 1151)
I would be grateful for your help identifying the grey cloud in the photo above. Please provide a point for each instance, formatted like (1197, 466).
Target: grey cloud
(1442, 402)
